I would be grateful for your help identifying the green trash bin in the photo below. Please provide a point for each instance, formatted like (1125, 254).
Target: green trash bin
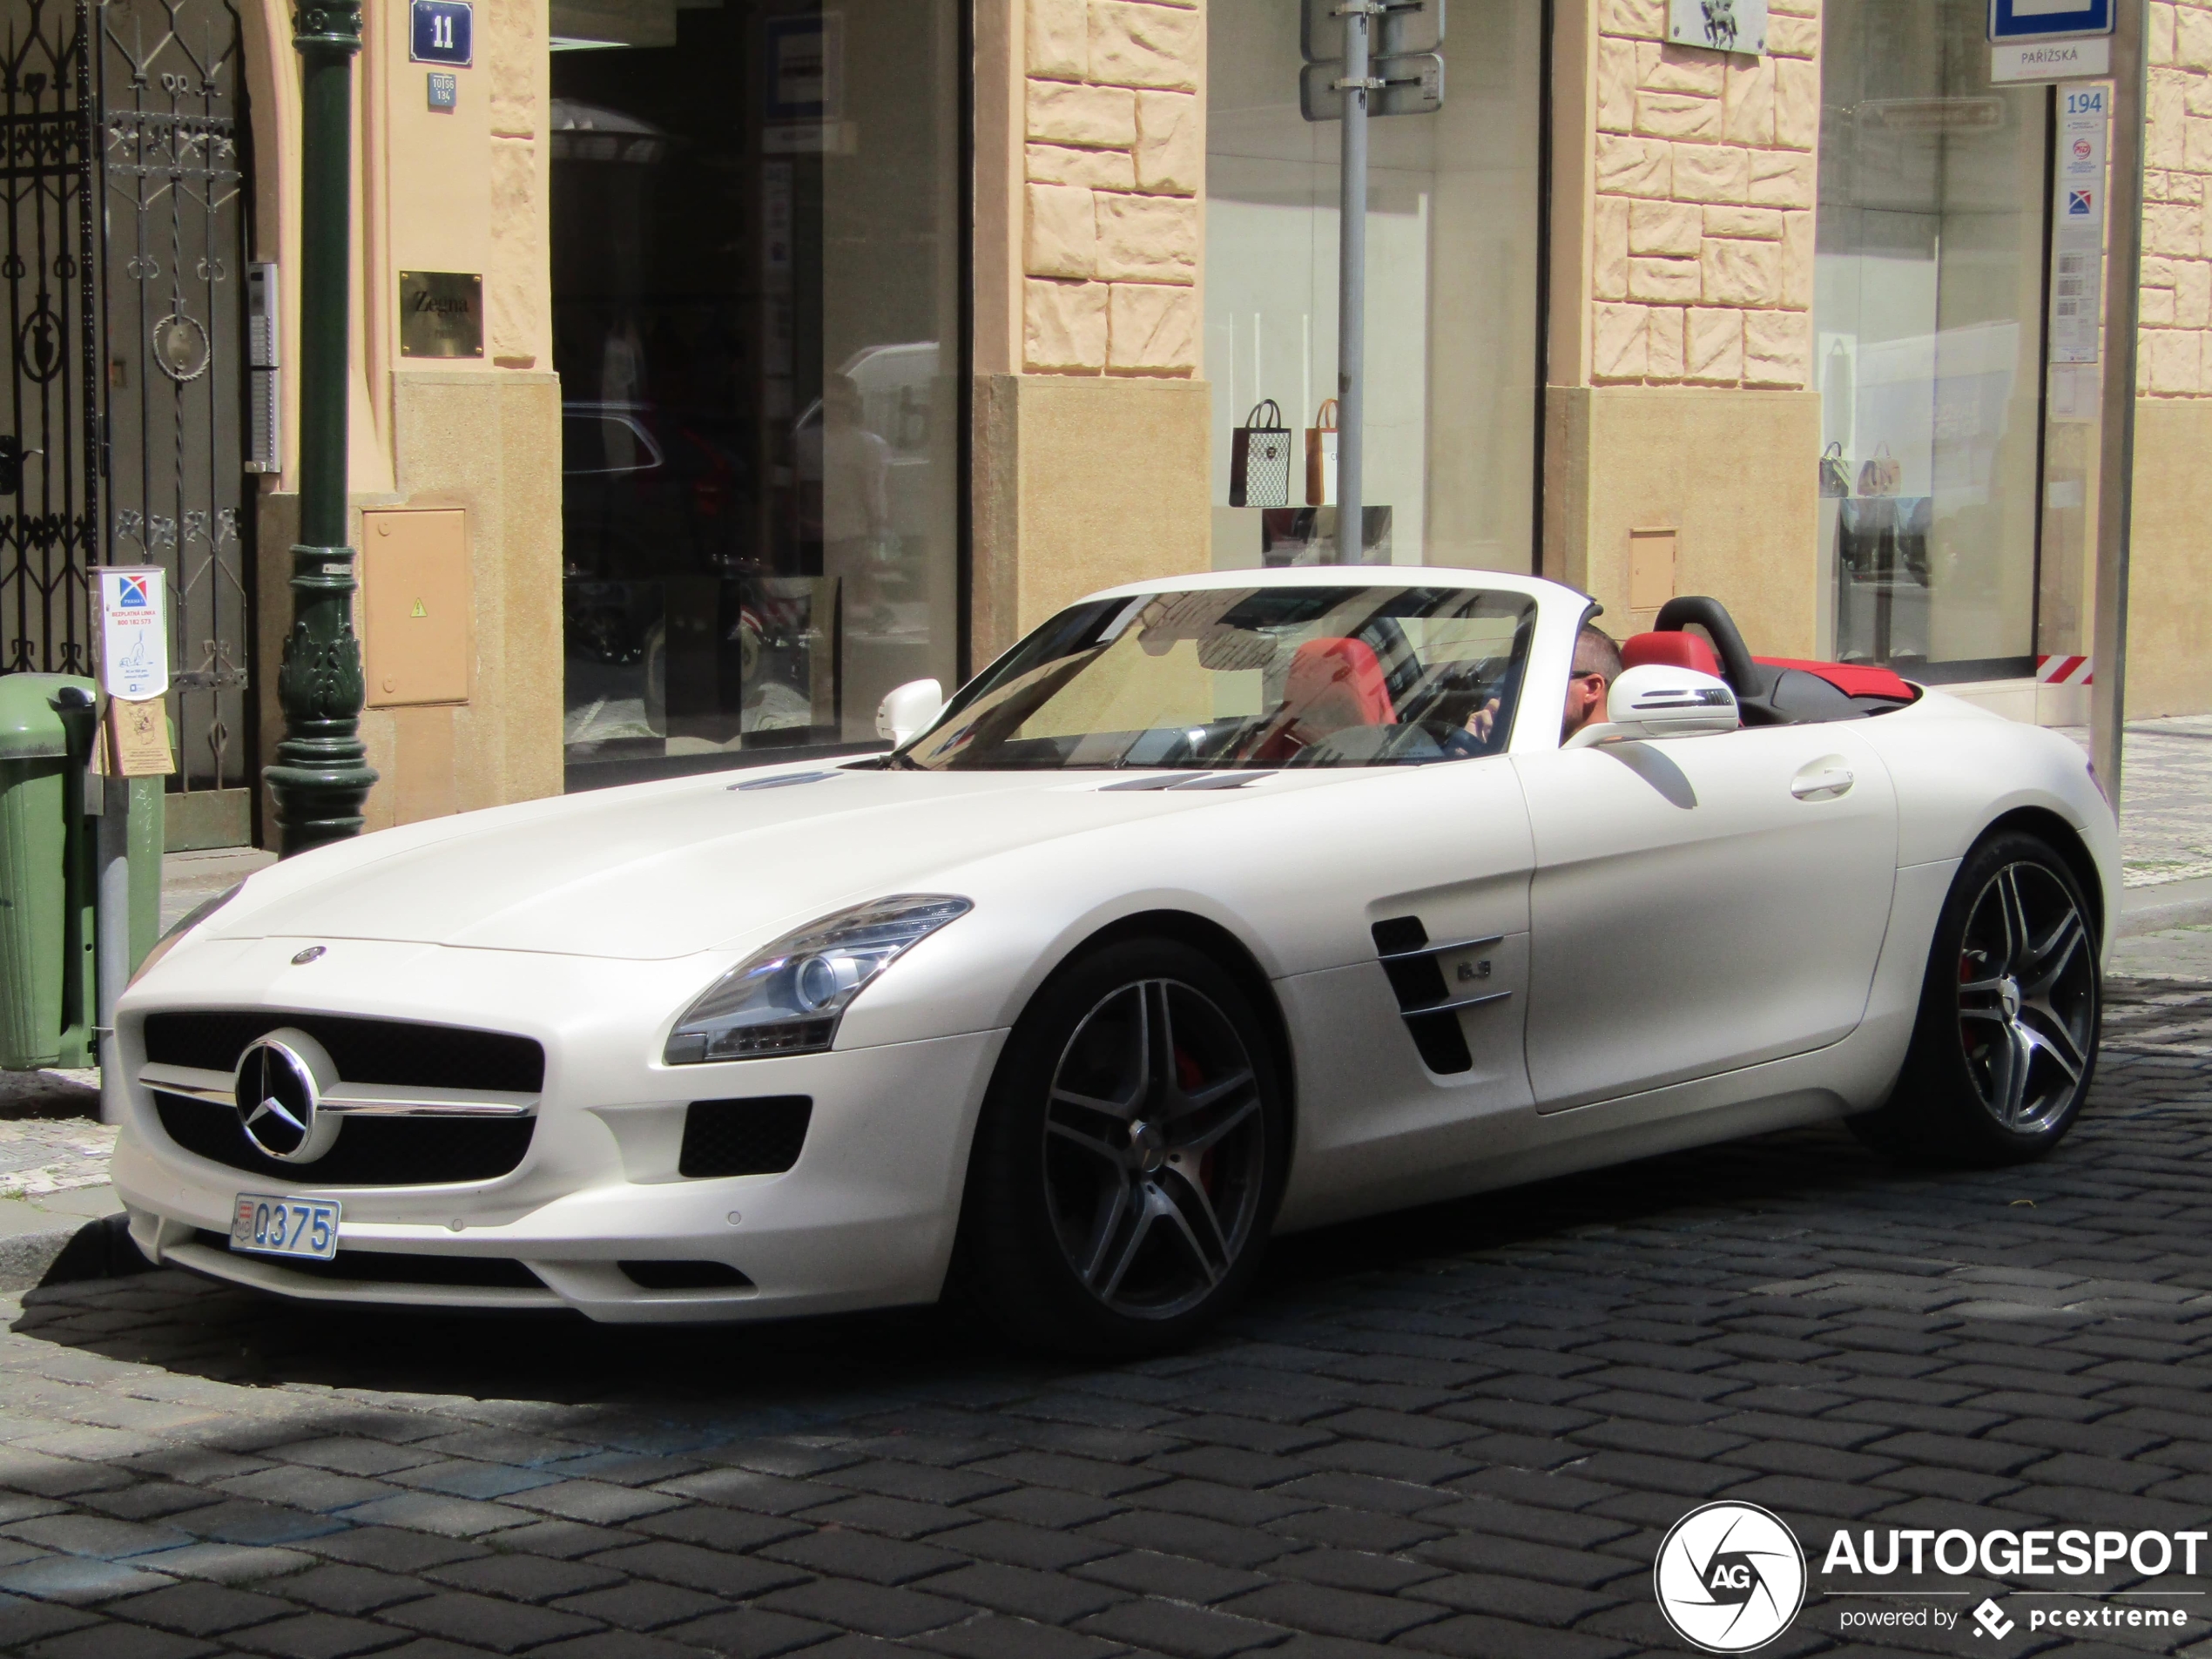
(48, 725)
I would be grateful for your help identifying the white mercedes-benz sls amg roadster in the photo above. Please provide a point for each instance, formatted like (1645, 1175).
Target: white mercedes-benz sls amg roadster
(1218, 907)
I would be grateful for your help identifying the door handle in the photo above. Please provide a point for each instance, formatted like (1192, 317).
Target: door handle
(1822, 781)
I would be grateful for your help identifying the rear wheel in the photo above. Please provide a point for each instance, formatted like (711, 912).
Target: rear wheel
(2010, 1012)
(1131, 1155)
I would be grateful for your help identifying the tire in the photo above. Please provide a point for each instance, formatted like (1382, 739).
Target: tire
(2011, 1011)
(1130, 1158)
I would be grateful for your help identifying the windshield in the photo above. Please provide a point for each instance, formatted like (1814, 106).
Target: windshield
(1259, 677)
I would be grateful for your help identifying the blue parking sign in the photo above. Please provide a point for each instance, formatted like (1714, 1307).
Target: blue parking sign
(439, 31)
(2030, 20)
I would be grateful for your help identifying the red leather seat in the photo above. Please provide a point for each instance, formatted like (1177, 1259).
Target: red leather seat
(1332, 684)
(1673, 649)
(1336, 683)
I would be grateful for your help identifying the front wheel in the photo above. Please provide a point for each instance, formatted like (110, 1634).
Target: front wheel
(2010, 1012)
(1131, 1155)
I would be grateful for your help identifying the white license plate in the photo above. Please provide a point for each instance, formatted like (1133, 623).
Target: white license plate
(273, 1226)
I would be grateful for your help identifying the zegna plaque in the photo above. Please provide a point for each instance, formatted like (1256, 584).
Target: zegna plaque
(442, 314)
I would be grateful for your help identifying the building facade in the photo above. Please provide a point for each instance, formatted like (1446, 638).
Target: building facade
(721, 364)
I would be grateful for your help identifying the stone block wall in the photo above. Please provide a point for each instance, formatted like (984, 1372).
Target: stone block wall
(518, 294)
(1114, 163)
(2174, 355)
(1703, 256)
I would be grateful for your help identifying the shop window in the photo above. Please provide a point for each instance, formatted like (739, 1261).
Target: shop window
(756, 292)
(1454, 226)
(1928, 314)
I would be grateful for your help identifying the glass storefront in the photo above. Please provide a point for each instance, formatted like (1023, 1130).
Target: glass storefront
(1453, 242)
(756, 273)
(1929, 341)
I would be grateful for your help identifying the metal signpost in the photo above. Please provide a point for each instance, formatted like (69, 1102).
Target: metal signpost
(133, 632)
(2097, 219)
(1404, 75)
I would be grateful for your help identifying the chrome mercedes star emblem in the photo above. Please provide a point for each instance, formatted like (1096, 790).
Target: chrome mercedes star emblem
(277, 1099)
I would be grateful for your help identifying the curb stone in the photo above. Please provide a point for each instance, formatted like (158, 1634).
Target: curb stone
(2173, 904)
(70, 1255)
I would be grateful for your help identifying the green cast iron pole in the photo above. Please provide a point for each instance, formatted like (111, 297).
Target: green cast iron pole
(321, 780)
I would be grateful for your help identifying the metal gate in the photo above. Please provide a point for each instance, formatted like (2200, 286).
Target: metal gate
(48, 455)
(173, 97)
(125, 199)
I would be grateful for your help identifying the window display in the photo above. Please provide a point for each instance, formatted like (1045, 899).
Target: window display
(1928, 313)
(755, 297)
(1452, 233)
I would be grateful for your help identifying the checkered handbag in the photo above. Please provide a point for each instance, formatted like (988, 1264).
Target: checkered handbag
(1259, 459)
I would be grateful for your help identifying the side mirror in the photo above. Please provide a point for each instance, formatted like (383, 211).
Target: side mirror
(1656, 701)
(907, 709)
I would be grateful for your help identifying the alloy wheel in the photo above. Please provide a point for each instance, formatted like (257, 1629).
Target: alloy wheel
(1156, 1151)
(2028, 997)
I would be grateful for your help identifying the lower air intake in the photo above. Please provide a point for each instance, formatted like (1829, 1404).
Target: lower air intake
(761, 1137)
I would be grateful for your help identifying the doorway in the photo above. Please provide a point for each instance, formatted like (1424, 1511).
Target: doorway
(123, 276)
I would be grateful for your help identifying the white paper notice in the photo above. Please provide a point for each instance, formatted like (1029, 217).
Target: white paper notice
(134, 637)
(2077, 224)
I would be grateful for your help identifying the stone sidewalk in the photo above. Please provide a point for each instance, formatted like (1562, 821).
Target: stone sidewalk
(2165, 785)
(1457, 1432)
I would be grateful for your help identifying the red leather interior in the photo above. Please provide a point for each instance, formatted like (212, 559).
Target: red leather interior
(1334, 683)
(1673, 649)
(1852, 679)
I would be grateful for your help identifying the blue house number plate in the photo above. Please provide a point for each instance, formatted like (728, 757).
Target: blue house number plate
(439, 31)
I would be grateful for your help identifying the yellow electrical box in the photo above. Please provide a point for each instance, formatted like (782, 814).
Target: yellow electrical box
(415, 606)
(1651, 568)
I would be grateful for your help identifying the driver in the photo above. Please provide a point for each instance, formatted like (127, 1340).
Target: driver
(1597, 664)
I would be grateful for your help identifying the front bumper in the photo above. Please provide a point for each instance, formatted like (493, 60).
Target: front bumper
(865, 1218)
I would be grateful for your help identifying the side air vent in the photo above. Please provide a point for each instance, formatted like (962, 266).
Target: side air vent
(760, 1136)
(1424, 1000)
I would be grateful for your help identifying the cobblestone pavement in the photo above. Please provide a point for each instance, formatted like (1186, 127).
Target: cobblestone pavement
(1459, 1432)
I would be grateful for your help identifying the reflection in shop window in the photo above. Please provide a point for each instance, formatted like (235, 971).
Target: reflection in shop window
(1929, 341)
(755, 260)
(1451, 326)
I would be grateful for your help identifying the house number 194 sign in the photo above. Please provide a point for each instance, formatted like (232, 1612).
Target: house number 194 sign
(439, 31)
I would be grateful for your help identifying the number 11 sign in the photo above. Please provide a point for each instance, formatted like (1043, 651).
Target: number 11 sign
(439, 31)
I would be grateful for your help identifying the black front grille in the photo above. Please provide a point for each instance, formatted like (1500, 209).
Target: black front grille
(760, 1137)
(369, 1152)
(397, 1267)
(365, 1051)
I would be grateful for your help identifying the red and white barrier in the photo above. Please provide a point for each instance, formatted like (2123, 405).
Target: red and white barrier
(2063, 671)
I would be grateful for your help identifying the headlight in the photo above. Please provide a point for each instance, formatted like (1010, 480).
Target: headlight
(190, 919)
(788, 998)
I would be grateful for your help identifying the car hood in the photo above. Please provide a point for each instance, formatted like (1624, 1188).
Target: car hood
(667, 869)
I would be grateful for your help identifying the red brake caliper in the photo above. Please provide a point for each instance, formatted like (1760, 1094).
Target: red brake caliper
(1187, 1077)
